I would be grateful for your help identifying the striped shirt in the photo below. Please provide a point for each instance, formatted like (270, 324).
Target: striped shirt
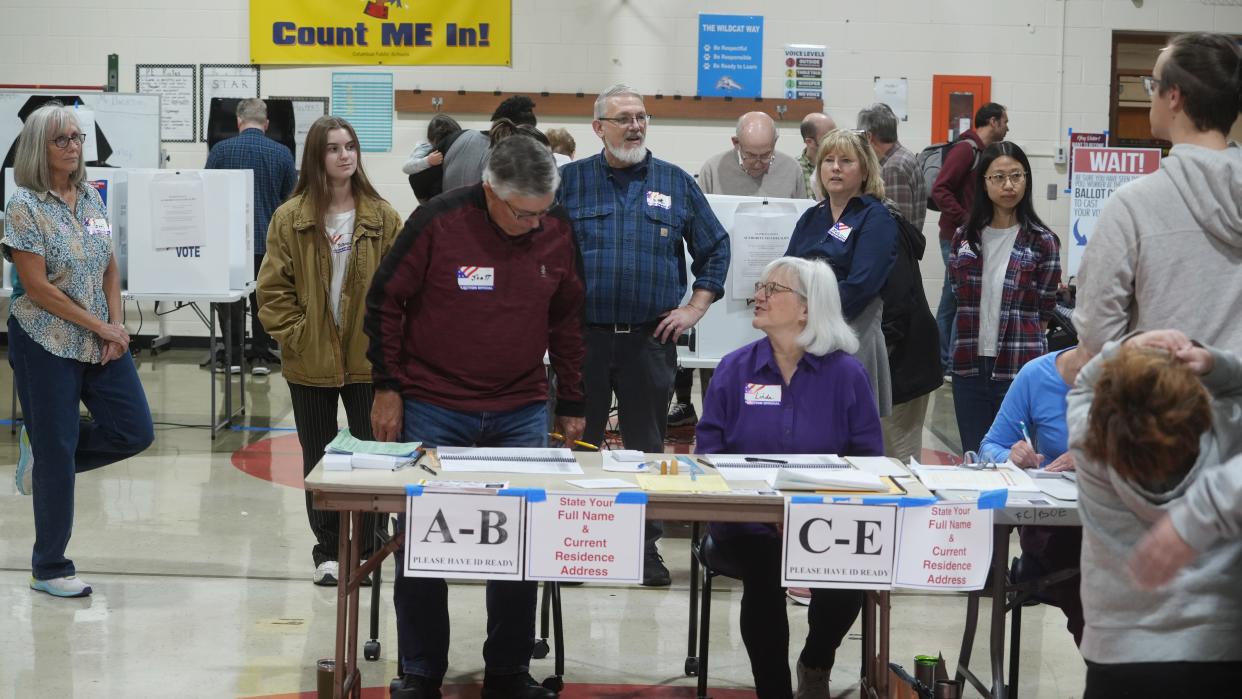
(274, 174)
(634, 240)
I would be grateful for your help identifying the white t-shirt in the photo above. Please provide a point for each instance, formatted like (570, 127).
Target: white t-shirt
(997, 244)
(340, 230)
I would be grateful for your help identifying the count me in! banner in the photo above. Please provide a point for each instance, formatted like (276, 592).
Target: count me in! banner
(381, 32)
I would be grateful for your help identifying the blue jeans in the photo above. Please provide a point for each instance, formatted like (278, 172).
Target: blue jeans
(946, 311)
(422, 603)
(976, 400)
(50, 389)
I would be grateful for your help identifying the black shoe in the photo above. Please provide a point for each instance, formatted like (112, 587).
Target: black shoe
(655, 574)
(682, 415)
(518, 686)
(414, 687)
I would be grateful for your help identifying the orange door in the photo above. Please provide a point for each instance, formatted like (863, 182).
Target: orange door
(955, 99)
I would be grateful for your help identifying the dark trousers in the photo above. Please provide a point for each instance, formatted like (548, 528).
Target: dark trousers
(63, 445)
(314, 414)
(764, 625)
(639, 369)
(261, 343)
(1162, 680)
(976, 400)
(1049, 549)
(946, 311)
(233, 326)
(422, 603)
(685, 382)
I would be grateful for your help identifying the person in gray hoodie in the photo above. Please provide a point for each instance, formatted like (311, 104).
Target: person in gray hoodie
(1167, 249)
(1152, 419)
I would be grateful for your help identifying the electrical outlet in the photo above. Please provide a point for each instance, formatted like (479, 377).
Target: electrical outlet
(1059, 158)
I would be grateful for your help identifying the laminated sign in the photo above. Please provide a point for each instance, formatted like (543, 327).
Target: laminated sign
(455, 535)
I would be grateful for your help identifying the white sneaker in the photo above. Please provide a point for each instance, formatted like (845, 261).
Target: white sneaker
(326, 574)
(23, 479)
(72, 586)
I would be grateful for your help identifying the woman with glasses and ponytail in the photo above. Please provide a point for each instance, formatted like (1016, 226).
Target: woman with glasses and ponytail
(1004, 267)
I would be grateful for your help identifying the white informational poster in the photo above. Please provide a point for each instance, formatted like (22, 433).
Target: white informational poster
(86, 121)
(305, 114)
(240, 81)
(1098, 172)
(944, 547)
(838, 545)
(895, 93)
(759, 234)
(178, 216)
(454, 535)
(804, 71)
(585, 536)
(175, 84)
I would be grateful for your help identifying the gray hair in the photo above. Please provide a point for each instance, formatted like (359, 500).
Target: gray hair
(252, 111)
(601, 102)
(826, 330)
(879, 121)
(30, 168)
(521, 166)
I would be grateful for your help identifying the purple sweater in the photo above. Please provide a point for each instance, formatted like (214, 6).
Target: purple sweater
(827, 408)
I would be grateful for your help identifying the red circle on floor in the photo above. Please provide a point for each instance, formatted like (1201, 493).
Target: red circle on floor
(277, 459)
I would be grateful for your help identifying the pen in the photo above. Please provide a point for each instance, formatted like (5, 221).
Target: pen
(561, 437)
(704, 462)
(1025, 434)
(760, 460)
(418, 461)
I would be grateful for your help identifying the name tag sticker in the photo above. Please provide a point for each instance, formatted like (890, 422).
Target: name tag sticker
(840, 231)
(762, 394)
(657, 199)
(98, 226)
(965, 251)
(470, 278)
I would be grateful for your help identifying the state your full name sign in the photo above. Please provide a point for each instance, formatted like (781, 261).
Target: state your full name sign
(944, 547)
(585, 536)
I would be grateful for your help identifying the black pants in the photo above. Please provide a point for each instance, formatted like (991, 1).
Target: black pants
(1162, 680)
(314, 414)
(261, 343)
(765, 627)
(685, 382)
(233, 327)
(639, 369)
(1047, 550)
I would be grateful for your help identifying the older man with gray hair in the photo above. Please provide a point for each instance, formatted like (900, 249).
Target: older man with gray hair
(480, 283)
(752, 167)
(903, 181)
(814, 127)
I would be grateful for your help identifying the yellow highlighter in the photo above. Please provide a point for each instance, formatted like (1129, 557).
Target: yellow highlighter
(561, 437)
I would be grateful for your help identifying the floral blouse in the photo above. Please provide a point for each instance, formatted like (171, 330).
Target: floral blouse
(77, 246)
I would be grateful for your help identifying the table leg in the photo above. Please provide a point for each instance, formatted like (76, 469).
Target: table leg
(881, 670)
(211, 364)
(1000, 556)
(342, 608)
(354, 588)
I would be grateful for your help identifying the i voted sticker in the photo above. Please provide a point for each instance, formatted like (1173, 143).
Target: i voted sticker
(965, 251)
(98, 226)
(762, 394)
(840, 231)
(657, 199)
(471, 278)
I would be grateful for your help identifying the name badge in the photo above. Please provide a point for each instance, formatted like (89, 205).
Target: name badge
(471, 278)
(762, 394)
(98, 226)
(840, 231)
(657, 199)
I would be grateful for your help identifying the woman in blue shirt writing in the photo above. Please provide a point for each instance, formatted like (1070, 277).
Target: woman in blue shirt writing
(796, 391)
(853, 232)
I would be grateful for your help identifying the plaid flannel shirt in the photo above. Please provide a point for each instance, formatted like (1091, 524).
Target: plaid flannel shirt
(903, 184)
(1027, 299)
(274, 174)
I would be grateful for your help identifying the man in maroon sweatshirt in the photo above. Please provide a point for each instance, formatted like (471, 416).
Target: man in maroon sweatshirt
(954, 193)
(481, 282)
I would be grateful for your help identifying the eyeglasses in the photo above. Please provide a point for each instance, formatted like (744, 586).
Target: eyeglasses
(998, 179)
(974, 462)
(772, 288)
(526, 215)
(764, 159)
(62, 142)
(1151, 85)
(639, 120)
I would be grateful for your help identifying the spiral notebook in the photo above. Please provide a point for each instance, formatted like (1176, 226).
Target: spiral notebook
(763, 467)
(508, 460)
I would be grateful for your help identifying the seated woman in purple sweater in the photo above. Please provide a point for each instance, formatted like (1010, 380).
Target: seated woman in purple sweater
(797, 391)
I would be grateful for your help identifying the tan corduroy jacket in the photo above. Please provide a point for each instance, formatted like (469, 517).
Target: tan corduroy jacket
(293, 292)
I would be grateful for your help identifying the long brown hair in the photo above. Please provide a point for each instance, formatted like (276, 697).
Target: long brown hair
(313, 179)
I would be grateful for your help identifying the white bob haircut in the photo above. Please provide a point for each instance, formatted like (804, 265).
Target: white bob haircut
(826, 330)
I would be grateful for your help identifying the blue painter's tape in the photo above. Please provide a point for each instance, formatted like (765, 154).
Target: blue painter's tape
(536, 495)
(993, 499)
(412, 490)
(840, 498)
(515, 492)
(882, 500)
(632, 497)
(917, 502)
(806, 499)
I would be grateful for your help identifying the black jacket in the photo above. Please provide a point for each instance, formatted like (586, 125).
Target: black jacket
(910, 330)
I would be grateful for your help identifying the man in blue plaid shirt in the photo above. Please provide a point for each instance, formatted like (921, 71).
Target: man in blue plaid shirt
(274, 178)
(634, 217)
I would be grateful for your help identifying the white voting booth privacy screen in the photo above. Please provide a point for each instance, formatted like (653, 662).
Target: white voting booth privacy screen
(759, 231)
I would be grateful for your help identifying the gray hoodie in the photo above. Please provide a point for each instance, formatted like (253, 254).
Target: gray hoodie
(1167, 253)
(1198, 616)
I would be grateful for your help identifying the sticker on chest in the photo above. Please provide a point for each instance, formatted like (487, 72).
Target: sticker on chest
(761, 394)
(471, 278)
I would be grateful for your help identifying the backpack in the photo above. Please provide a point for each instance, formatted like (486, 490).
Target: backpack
(932, 157)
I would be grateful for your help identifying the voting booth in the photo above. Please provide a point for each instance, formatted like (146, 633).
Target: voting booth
(189, 232)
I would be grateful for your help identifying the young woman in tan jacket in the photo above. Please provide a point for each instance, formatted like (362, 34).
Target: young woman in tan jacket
(323, 246)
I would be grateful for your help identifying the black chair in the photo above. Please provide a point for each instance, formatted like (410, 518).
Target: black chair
(706, 555)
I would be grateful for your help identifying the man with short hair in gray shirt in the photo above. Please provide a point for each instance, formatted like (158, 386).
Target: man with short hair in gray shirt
(753, 167)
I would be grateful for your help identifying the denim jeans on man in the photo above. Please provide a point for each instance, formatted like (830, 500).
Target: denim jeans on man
(946, 311)
(422, 603)
(976, 400)
(50, 389)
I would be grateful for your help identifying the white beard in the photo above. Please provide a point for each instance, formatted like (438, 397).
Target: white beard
(629, 156)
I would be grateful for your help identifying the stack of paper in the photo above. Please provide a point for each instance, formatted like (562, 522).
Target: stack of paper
(1004, 475)
(624, 460)
(508, 460)
(788, 479)
(347, 452)
(763, 467)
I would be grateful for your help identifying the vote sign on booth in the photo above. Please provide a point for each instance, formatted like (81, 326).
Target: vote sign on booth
(457, 535)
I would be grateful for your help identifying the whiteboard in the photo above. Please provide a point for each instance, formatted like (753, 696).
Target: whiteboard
(129, 122)
(726, 325)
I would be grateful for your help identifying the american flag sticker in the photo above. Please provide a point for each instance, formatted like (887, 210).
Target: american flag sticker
(471, 278)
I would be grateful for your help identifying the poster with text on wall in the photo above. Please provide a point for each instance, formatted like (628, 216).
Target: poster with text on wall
(585, 537)
(804, 71)
(1098, 172)
(381, 32)
(1082, 139)
(730, 56)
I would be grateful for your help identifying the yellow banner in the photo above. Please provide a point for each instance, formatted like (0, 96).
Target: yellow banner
(385, 32)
